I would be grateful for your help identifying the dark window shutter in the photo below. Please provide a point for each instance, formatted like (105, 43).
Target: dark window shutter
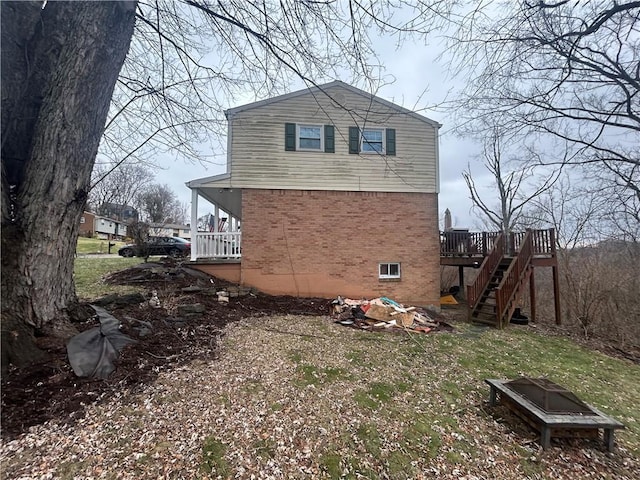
(290, 137)
(354, 140)
(329, 139)
(391, 141)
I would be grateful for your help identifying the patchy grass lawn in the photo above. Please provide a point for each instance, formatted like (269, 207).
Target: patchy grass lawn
(301, 397)
(94, 245)
(89, 272)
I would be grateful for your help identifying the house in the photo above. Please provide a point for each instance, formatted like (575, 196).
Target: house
(170, 230)
(101, 227)
(336, 192)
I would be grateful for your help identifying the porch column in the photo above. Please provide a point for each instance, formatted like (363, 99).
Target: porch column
(194, 223)
(216, 218)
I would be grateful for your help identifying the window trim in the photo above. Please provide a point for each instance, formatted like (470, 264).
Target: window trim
(388, 276)
(383, 142)
(307, 125)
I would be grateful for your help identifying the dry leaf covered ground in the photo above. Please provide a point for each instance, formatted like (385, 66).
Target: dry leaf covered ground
(282, 395)
(301, 397)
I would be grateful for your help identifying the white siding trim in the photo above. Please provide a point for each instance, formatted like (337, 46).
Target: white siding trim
(229, 143)
(437, 160)
(198, 182)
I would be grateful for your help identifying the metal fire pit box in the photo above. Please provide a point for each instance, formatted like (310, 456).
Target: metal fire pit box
(551, 409)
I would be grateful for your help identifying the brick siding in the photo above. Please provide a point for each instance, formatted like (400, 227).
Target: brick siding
(329, 243)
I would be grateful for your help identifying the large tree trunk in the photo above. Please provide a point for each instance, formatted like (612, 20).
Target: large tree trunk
(59, 67)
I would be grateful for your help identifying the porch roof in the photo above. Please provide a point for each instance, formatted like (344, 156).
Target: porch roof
(219, 190)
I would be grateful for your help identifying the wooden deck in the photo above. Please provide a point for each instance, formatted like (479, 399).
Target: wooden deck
(505, 264)
(468, 249)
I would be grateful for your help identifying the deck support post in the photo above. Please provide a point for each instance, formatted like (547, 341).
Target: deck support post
(463, 294)
(532, 294)
(556, 280)
(556, 294)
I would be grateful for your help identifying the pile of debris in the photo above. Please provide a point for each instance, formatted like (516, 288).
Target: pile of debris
(383, 313)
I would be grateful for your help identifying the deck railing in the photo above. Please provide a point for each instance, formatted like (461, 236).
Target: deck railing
(466, 243)
(218, 245)
(490, 263)
(513, 277)
(463, 243)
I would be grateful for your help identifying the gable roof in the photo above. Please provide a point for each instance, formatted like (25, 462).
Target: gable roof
(323, 89)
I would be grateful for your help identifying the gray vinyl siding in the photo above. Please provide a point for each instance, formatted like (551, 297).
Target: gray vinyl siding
(259, 160)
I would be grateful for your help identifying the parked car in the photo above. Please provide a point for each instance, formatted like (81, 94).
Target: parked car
(173, 246)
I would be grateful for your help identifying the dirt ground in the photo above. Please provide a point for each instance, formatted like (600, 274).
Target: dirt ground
(49, 390)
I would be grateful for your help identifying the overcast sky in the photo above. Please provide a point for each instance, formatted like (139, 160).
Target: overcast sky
(419, 83)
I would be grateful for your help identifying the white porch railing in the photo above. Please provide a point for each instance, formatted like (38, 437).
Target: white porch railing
(218, 245)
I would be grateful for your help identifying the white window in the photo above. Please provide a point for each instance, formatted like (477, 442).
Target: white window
(82, 220)
(389, 270)
(309, 137)
(372, 140)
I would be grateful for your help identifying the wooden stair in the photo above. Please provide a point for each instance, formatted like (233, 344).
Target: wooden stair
(500, 282)
(485, 309)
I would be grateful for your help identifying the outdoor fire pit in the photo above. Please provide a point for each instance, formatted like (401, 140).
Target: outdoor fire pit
(551, 409)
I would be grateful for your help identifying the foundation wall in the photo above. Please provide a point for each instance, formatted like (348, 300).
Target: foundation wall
(226, 271)
(330, 243)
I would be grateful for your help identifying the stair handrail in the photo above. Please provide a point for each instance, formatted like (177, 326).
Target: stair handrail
(489, 265)
(513, 277)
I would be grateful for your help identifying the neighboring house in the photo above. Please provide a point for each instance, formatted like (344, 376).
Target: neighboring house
(337, 193)
(170, 230)
(123, 213)
(102, 227)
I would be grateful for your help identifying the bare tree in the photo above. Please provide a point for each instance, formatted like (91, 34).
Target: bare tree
(513, 191)
(158, 204)
(181, 213)
(118, 185)
(573, 209)
(564, 70)
(618, 189)
(139, 233)
(598, 275)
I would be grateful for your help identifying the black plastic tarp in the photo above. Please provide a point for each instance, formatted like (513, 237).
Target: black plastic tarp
(92, 352)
